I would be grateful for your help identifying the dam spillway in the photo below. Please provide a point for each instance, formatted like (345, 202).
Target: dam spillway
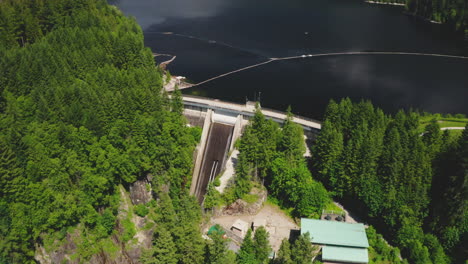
(217, 147)
(222, 124)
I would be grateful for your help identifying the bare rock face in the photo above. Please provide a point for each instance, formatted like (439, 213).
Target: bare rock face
(241, 207)
(60, 254)
(140, 191)
(65, 251)
(236, 208)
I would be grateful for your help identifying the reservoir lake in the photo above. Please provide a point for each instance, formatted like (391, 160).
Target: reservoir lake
(212, 37)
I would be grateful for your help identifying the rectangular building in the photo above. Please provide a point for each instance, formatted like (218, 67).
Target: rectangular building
(340, 242)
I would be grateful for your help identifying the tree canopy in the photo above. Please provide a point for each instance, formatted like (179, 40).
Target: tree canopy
(397, 175)
(81, 111)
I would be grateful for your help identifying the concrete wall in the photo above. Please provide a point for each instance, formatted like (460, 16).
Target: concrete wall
(201, 150)
(195, 117)
(237, 131)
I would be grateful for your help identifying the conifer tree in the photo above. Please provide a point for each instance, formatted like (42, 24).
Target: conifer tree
(216, 249)
(302, 250)
(243, 176)
(261, 244)
(284, 253)
(328, 151)
(292, 139)
(177, 104)
(246, 254)
(163, 250)
(166, 214)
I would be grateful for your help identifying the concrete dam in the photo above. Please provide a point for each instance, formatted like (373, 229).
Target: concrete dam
(222, 124)
(217, 147)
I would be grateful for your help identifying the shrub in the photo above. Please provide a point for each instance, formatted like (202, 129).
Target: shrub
(217, 182)
(141, 210)
(129, 230)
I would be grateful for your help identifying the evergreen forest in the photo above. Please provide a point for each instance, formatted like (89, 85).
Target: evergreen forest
(84, 120)
(410, 183)
(82, 113)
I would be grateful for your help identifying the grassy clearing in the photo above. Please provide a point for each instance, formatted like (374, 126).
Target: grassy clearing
(250, 198)
(333, 207)
(442, 121)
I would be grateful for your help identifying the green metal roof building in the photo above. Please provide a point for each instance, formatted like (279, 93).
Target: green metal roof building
(341, 242)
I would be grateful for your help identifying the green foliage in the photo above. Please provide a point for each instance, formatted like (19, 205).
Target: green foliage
(107, 221)
(217, 182)
(379, 251)
(190, 244)
(165, 212)
(196, 133)
(448, 214)
(81, 111)
(243, 177)
(450, 12)
(384, 166)
(259, 143)
(276, 155)
(168, 76)
(129, 230)
(182, 223)
(302, 250)
(261, 245)
(246, 254)
(216, 249)
(163, 251)
(284, 253)
(212, 197)
(291, 141)
(141, 210)
(250, 198)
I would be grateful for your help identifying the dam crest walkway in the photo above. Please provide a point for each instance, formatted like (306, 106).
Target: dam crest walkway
(248, 110)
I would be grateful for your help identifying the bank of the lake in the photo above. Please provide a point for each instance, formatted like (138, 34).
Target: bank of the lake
(385, 3)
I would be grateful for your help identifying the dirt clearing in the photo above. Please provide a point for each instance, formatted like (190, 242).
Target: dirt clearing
(277, 223)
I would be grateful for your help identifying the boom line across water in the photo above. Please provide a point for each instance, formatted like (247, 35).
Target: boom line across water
(304, 56)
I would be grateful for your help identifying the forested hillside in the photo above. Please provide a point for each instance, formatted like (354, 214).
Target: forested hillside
(410, 183)
(451, 12)
(82, 112)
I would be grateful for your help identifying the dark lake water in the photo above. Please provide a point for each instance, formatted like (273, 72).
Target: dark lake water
(211, 37)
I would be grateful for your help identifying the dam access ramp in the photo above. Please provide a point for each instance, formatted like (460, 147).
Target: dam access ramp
(220, 130)
(217, 147)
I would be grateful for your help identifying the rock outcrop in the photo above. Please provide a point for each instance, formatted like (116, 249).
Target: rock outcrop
(124, 252)
(140, 191)
(241, 207)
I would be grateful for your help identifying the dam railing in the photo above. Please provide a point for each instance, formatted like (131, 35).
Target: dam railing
(248, 110)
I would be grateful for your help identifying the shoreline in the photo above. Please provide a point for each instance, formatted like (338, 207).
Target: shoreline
(423, 18)
(406, 13)
(384, 3)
